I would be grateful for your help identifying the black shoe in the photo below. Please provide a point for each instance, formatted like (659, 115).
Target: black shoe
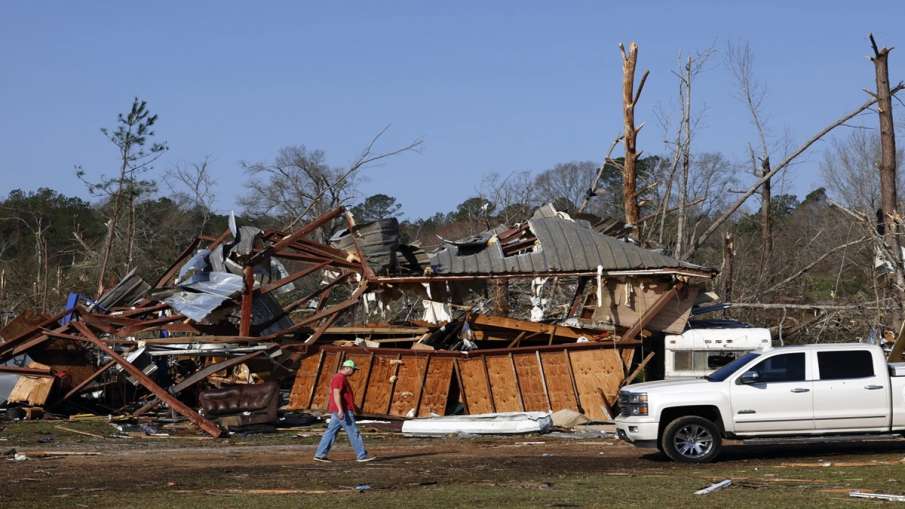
(322, 460)
(367, 459)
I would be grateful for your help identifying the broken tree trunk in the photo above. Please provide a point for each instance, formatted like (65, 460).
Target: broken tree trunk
(629, 99)
(888, 166)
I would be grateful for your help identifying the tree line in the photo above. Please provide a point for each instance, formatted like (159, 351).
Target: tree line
(822, 266)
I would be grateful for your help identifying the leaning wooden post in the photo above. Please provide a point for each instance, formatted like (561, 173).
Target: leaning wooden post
(247, 296)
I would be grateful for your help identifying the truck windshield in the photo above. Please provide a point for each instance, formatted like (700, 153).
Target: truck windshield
(724, 372)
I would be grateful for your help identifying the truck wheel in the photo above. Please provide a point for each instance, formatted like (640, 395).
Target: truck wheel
(691, 439)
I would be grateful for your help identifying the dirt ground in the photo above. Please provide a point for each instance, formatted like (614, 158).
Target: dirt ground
(557, 470)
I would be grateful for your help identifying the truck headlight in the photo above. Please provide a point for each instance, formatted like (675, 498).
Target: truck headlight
(633, 403)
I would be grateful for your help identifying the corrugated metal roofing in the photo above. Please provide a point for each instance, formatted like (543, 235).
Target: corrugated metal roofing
(565, 246)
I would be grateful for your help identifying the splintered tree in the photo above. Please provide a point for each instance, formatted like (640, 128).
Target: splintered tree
(887, 166)
(629, 99)
(132, 136)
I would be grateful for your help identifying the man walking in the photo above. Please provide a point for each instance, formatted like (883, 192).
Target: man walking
(341, 406)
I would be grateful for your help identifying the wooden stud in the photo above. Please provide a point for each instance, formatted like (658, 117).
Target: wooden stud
(458, 372)
(518, 385)
(572, 380)
(489, 387)
(367, 377)
(543, 380)
(317, 374)
(393, 378)
(427, 366)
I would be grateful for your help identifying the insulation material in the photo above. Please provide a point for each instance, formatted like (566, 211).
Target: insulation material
(486, 424)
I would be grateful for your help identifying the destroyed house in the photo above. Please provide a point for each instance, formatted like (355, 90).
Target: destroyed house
(241, 315)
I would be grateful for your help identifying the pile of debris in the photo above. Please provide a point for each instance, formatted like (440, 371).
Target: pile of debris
(238, 318)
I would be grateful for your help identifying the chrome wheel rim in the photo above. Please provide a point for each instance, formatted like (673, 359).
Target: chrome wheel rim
(693, 441)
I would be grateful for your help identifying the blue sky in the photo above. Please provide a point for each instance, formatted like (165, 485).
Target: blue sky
(489, 87)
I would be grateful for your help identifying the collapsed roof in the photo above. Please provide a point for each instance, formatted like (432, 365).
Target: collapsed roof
(553, 243)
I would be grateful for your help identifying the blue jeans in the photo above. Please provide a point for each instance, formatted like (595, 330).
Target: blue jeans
(348, 424)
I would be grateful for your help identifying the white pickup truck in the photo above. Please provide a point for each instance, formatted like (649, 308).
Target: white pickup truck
(825, 389)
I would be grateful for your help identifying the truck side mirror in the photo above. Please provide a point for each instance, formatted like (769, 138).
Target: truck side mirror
(749, 377)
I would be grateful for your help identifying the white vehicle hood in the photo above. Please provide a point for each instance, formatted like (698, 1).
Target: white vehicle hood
(694, 384)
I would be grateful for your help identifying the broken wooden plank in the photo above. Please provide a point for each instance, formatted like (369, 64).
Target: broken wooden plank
(178, 406)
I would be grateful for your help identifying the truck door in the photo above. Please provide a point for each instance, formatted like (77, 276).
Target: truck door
(778, 400)
(851, 392)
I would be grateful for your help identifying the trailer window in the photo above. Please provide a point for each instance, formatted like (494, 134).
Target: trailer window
(843, 364)
(703, 360)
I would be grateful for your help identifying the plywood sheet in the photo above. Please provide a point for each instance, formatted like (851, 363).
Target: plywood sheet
(474, 386)
(596, 371)
(408, 386)
(359, 378)
(32, 390)
(503, 384)
(436, 387)
(559, 382)
(322, 390)
(530, 382)
(377, 397)
(305, 379)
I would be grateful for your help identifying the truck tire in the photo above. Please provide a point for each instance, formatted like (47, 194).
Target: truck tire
(691, 439)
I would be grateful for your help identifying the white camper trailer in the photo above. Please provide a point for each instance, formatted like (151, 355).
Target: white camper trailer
(697, 352)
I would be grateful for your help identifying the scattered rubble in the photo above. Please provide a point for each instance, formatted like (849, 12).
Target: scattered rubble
(240, 320)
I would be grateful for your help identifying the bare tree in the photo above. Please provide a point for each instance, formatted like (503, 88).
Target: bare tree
(300, 185)
(740, 60)
(687, 74)
(513, 196)
(194, 185)
(849, 168)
